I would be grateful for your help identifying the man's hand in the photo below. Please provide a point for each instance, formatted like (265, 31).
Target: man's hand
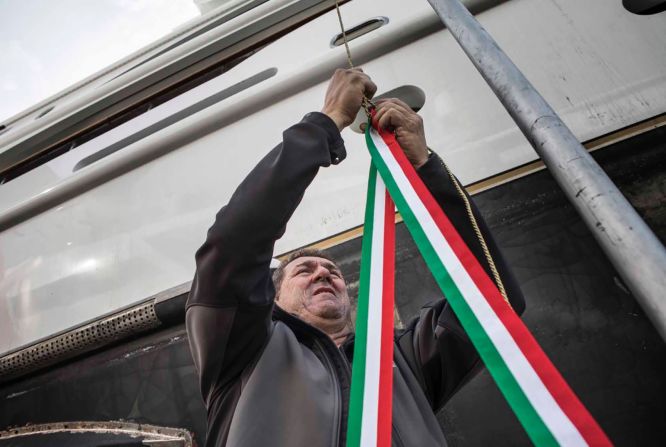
(394, 115)
(344, 95)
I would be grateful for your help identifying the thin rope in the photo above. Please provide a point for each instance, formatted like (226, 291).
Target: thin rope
(344, 35)
(366, 103)
(479, 235)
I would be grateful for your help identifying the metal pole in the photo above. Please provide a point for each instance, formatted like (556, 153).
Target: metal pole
(633, 249)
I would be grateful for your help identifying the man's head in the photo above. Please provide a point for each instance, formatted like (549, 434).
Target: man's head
(310, 285)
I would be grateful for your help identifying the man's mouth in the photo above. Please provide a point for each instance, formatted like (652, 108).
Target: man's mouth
(320, 290)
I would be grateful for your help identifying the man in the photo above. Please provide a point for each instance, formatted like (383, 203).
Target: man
(280, 375)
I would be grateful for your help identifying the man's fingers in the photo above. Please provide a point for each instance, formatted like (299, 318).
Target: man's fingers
(380, 114)
(386, 104)
(398, 113)
(391, 119)
(394, 115)
(401, 117)
(344, 95)
(395, 102)
(369, 88)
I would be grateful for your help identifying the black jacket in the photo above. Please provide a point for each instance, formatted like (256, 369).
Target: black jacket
(270, 379)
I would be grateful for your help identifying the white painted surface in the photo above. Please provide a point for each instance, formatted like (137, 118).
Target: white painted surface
(601, 68)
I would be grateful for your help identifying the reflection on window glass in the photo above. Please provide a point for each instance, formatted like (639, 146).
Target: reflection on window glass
(48, 46)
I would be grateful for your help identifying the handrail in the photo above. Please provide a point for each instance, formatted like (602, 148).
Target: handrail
(632, 247)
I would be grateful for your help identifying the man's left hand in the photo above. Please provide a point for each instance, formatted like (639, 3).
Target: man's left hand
(394, 115)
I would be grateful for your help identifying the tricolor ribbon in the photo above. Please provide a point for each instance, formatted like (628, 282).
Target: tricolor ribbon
(547, 408)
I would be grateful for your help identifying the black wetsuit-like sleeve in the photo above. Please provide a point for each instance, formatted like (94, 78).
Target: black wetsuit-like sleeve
(434, 343)
(230, 303)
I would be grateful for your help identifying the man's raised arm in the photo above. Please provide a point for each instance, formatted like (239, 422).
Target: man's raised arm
(230, 303)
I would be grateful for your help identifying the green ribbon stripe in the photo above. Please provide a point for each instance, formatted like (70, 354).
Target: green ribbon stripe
(360, 348)
(535, 427)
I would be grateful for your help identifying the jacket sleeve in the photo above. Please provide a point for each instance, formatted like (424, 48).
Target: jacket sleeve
(434, 343)
(228, 315)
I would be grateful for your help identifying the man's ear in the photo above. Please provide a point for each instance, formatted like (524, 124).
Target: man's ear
(275, 263)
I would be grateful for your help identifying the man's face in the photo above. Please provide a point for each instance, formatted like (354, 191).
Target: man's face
(313, 288)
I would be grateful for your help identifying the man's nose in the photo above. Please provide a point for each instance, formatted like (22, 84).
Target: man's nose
(322, 274)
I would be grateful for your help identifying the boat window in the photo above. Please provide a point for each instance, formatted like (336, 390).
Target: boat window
(203, 7)
(25, 156)
(121, 118)
(182, 114)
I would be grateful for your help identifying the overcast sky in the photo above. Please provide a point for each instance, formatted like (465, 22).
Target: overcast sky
(51, 44)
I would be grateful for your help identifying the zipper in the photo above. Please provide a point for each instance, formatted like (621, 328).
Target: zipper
(334, 361)
(338, 394)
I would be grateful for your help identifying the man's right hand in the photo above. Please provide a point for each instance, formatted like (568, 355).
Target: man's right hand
(344, 95)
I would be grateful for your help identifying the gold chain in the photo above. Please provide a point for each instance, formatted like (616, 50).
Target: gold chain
(367, 105)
